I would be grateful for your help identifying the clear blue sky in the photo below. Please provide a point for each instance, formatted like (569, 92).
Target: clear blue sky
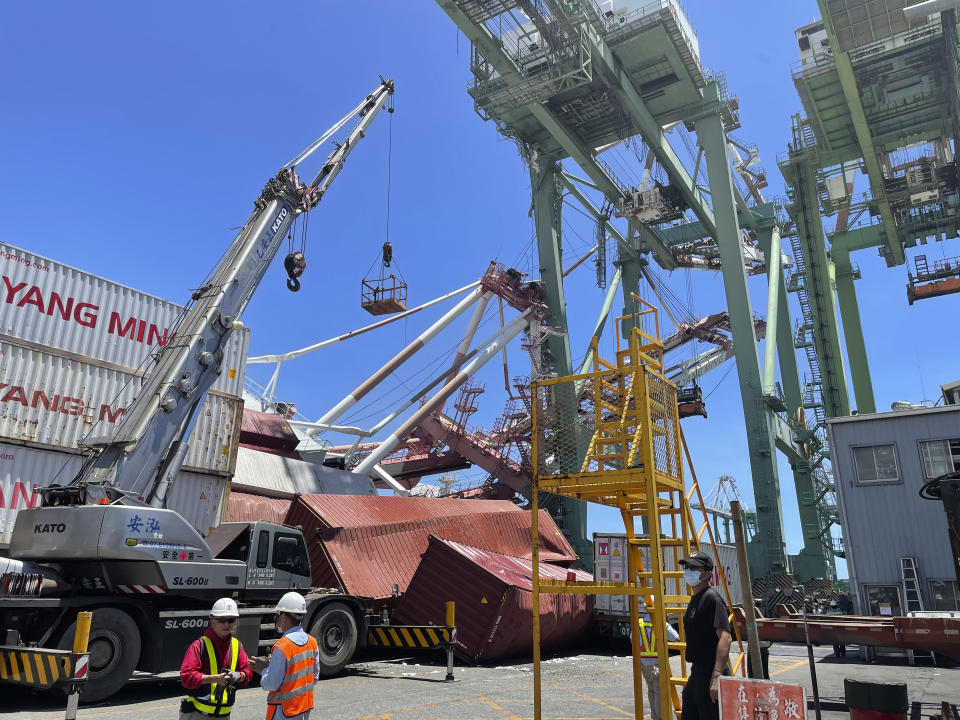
(135, 137)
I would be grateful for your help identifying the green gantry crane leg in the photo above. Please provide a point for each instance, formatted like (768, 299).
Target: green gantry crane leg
(819, 288)
(853, 333)
(813, 559)
(547, 190)
(767, 550)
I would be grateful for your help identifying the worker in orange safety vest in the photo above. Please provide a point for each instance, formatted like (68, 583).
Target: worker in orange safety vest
(294, 663)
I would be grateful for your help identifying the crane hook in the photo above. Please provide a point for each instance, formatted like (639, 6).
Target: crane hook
(294, 263)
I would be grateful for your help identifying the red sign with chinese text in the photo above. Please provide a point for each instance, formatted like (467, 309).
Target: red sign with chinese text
(743, 699)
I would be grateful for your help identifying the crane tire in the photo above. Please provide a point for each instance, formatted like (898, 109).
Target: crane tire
(114, 649)
(335, 631)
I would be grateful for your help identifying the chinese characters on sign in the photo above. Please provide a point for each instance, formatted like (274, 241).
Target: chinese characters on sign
(743, 699)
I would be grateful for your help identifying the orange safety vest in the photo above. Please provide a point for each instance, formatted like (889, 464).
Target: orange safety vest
(296, 693)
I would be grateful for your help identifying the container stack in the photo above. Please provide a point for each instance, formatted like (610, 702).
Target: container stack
(74, 349)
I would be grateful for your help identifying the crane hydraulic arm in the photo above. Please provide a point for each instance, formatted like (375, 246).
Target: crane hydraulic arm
(138, 460)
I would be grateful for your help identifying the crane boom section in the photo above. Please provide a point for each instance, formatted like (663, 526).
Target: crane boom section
(144, 452)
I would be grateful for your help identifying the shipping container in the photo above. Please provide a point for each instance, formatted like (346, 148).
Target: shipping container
(265, 473)
(198, 497)
(364, 545)
(245, 507)
(50, 307)
(610, 565)
(269, 433)
(333, 511)
(52, 401)
(493, 596)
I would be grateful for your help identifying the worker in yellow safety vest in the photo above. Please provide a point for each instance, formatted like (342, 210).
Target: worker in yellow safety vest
(214, 665)
(294, 663)
(649, 667)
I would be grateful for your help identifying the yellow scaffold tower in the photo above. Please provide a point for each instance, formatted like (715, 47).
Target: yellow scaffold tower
(622, 420)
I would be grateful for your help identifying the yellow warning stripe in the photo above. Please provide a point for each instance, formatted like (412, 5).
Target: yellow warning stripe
(54, 669)
(41, 672)
(400, 636)
(36, 667)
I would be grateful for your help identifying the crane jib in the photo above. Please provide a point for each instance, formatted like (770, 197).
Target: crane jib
(263, 247)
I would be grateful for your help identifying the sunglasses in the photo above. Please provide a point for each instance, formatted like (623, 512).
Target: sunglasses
(226, 621)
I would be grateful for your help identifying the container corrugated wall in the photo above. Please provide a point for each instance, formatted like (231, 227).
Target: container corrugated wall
(373, 552)
(493, 596)
(48, 305)
(197, 497)
(245, 507)
(213, 439)
(53, 401)
(336, 511)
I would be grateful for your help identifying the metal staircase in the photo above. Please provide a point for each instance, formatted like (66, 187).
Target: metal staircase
(633, 462)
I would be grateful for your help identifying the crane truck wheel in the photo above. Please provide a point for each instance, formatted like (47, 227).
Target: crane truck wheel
(335, 631)
(114, 648)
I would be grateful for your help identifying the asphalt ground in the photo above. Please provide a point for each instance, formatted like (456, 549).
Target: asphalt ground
(594, 686)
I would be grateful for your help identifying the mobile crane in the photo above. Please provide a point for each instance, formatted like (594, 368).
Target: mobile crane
(106, 543)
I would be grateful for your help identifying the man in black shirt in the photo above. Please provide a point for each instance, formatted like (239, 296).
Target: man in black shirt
(707, 630)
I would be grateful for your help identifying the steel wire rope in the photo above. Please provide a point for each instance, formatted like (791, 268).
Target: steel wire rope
(720, 381)
(389, 392)
(352, 416)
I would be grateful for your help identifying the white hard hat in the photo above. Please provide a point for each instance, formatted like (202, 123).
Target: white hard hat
(292, 603)
(225, 607)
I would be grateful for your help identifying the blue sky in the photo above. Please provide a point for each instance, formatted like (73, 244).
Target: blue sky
(136, 136)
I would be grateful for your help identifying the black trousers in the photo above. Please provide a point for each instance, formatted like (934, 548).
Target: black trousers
(697, 704)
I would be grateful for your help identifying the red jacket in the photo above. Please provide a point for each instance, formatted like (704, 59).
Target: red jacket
(196, 663)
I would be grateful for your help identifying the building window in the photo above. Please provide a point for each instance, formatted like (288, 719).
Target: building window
(876, 464)
(945, 594)
(940, 457)
(883, 599)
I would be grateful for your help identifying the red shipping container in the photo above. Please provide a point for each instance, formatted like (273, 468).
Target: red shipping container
(494, 601)
(366, 544)
(246, 507)
(338, 511)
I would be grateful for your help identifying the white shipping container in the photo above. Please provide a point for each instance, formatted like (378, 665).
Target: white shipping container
(49, 400)
(46, 305)
(610, 565)
(258, 471)
(213, 441)
(198, 497)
